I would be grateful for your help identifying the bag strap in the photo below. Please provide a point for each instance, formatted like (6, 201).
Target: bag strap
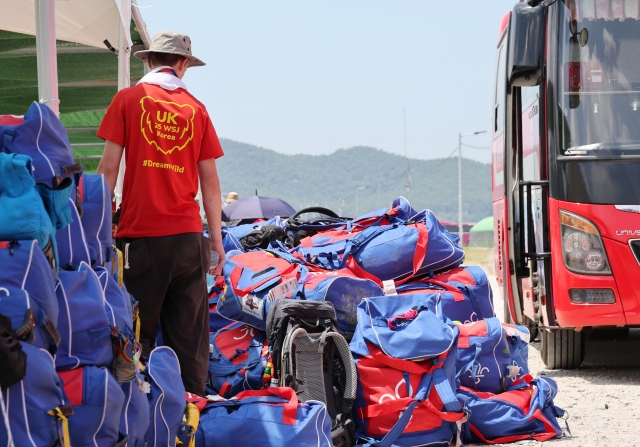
(473, 364)
(550, 432)
(288, 394)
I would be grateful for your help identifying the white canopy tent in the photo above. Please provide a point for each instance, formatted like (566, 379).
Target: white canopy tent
(97, 23)
(89, 22)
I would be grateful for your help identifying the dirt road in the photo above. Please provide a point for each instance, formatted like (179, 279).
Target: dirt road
(602, 397)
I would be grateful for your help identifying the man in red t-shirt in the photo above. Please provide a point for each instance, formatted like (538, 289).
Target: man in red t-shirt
(170, 144)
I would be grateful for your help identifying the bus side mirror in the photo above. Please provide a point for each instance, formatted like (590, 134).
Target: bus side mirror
(526, 47)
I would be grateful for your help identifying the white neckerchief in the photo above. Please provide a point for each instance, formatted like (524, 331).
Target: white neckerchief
(165, 80)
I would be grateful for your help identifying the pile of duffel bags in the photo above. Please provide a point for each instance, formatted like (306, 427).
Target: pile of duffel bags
(325, 332)
(70, 371)
(377, 320)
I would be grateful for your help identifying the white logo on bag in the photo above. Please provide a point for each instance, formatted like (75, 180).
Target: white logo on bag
(246, 331)
(480, 374)
(391, 397)
(471, 319)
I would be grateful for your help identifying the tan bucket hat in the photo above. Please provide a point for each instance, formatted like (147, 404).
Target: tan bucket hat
(171, 42)
(232, 197)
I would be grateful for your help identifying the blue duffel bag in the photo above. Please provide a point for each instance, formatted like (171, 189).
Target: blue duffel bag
(527, 412)
(483, 359)
(469, 298)
(237, 359)
(269, 418)
(37, 407)
(256, 278)
(392, 252)
(83, 324)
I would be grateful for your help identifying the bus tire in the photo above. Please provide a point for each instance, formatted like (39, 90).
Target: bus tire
(563, 349)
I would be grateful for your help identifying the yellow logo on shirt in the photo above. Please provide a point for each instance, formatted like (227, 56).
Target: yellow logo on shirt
(166, 125)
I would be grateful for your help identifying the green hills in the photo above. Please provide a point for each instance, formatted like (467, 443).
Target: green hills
(331, 180)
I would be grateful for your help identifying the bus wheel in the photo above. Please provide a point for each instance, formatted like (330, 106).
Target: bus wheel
(563, 349)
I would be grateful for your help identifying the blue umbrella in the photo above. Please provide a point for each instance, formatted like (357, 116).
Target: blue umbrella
(257, 207)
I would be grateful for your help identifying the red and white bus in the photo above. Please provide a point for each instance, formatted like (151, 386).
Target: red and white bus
(566, 170)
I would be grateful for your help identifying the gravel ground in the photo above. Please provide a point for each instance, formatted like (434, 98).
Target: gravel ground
(602, 397)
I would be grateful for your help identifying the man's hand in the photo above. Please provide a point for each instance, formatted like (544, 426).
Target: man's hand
(216, 246)
(211, 202)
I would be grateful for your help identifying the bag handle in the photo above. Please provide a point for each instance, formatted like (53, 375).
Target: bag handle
(236, 274)
(288, 394)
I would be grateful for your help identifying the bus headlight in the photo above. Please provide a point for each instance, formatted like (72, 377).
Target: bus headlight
(582, 248)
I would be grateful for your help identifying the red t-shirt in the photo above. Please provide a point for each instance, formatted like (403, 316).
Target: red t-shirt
(165, 134)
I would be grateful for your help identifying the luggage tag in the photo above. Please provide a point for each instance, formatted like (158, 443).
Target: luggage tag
(389, 287)
(282, 290)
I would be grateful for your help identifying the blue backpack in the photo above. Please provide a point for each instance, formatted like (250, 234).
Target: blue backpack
(515, 415)
(134, 419)
(27, 278)
(469, 296)
(269, 418)
(97, 402)
(392, 252)
(83, 323)
(119, 310)
(37, 408)
(72, 242)
(41, 136)
(30, 318)
(167, 402)
(96, 217)
(405, 357)
(237, 359)
(484, 359)
(23, 215)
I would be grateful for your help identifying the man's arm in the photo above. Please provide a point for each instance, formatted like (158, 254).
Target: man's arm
(211, 201)
(110, 163)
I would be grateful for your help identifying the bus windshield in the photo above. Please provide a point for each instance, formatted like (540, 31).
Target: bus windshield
(599, 77)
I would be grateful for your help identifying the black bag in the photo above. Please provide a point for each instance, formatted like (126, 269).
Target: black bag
(310, 355)
(12, 358)
(262, 236)
(299, 228)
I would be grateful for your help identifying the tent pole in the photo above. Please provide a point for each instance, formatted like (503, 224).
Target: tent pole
(124, 81)
(47, 58)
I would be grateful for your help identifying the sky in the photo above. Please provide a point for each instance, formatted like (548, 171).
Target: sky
(311, 77)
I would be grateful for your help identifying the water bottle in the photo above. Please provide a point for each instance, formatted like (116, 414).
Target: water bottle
(215, 260)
